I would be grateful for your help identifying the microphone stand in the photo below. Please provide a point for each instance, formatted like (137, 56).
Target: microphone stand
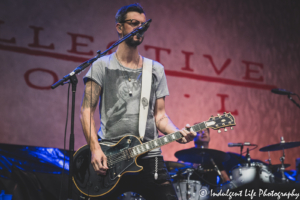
(241, 154)
(73, 79)
(289, 96)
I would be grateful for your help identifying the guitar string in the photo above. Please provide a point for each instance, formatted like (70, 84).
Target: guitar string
(118, 157)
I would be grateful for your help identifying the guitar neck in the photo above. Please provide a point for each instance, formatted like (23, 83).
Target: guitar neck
(148, 146)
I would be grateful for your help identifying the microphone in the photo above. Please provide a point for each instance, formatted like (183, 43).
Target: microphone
(281, 91)
(240, 144)
(143, 28)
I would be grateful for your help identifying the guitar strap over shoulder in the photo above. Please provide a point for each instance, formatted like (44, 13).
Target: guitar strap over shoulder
(145, 95)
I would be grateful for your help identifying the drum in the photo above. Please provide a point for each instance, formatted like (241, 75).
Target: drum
(191, 190)
(246, 173)
(229, 185)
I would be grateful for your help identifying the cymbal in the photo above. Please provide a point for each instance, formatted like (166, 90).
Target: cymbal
(280, 146)
(175, 166)
(278, 166)
(236, 157)
(201, 156)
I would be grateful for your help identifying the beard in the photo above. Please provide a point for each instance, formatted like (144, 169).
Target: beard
(133, 43)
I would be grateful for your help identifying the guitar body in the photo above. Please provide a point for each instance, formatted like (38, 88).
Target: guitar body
(88, 182)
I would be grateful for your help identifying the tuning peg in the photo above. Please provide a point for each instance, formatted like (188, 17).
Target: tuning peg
(218, 115)
(212, 116)
(224, 113)
(219, 131)
(225, 129)
(231, 128)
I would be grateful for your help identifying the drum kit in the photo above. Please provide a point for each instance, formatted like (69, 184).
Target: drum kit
(242, 170)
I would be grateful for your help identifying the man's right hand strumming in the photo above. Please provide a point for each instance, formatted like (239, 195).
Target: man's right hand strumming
(99, 161)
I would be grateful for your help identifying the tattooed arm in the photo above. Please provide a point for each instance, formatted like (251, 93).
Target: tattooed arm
(89, 103)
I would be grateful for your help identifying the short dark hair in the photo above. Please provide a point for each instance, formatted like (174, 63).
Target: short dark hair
(121, 14)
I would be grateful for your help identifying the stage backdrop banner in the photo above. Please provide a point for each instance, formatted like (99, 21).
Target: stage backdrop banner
(219, 56)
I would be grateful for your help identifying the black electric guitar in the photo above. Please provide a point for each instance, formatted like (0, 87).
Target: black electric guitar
(121, 157)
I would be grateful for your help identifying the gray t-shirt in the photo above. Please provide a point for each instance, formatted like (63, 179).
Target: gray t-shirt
(119, 111)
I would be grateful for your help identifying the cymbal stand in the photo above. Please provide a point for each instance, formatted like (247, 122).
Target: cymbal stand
(248, 158)
(269, 160)
(283, 178)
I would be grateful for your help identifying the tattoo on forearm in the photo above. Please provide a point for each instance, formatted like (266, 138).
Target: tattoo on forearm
(91, 95)
(157, 123)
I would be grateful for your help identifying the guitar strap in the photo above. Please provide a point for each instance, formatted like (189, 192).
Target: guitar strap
(145, 95)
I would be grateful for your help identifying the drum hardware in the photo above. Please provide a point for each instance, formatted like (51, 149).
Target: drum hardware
(282, 158)
(269, 158)
(215, 167)
(249, 170)
(277, 167)
(188, 189)
(281, 146)
(177, 169)
(248, 158)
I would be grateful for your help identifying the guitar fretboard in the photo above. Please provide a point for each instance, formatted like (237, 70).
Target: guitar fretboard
(148, 146)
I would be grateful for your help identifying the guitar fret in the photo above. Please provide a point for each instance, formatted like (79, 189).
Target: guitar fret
(166, 139)
(199, 127)
(178, 135)
(170, 137)
(162, 141)
(142, 148)
(159, 142)
(152, 144)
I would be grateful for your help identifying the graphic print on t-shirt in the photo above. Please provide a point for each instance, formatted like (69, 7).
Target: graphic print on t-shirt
(122, 98)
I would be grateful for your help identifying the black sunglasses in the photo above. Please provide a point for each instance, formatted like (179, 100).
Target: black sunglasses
(132, 22)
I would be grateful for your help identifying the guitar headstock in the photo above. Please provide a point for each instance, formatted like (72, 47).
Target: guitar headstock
(221, 121)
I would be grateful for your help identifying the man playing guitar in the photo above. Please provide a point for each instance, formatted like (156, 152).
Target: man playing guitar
(115, 79)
